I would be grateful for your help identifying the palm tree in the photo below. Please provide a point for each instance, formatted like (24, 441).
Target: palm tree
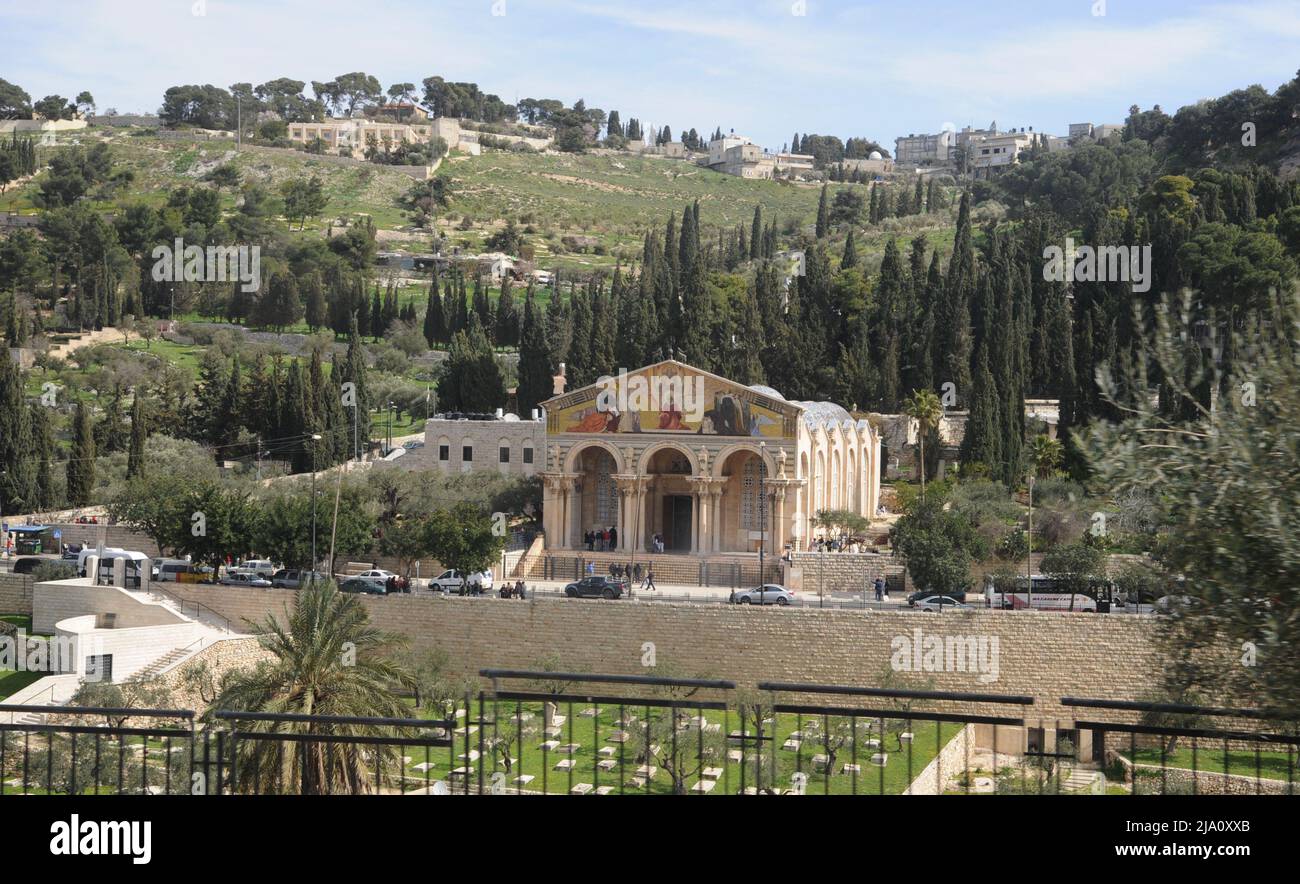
(925, 408)
(327, 660)
(1046, 454)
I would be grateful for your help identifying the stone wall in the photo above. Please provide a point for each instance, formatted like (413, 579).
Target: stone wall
(219, 658)
(843, 572)
(15, 594)
(1046, 655)
(946, 767)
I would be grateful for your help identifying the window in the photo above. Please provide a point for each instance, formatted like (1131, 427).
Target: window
(528, 454)
(504, 454)
(444, 452)
(467, 453)
(752, 514)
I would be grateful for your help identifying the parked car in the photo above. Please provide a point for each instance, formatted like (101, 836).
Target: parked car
(595, 587)
(767, 594)
(474, 582)
(28, 564)
(362, 586)
(261, 567)
(72, 550)
(292, 578)
(243, 578)
(939, 603)
(957, 594)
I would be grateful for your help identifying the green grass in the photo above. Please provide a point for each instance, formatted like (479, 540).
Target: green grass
(1210, 759)
(11, 682)
(901, 768)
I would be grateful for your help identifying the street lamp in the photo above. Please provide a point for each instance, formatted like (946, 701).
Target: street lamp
(1029, 545)
(315, 437)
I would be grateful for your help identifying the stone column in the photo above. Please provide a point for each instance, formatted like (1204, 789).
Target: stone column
(715, 536)
(778, 523)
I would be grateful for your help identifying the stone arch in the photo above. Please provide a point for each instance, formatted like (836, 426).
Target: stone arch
(683, 447)
(571, 456)
(720, 459)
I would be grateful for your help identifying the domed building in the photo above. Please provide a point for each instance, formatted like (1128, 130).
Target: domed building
(707, 465)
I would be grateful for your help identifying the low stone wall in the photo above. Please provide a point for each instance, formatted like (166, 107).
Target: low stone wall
(946, 767)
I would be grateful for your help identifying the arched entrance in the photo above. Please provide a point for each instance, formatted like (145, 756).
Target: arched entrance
(744, 516)
(595, 505)
(671, 505)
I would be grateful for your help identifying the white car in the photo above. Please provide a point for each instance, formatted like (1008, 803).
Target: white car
(244, 578)
(454, 581)
(939, 602)
(377, 576)
(767, 594)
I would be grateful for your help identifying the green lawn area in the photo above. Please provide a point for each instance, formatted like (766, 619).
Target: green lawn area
(591, 733)
(11, 682)
(1273, 765)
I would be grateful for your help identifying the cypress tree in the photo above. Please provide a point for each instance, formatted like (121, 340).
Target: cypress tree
(578, 366)
(756, 235)
(39, 454)
(823, 213)
(435, 322)
(358, 405)
(81, 459)
(536, 368)
(139, 434)
(850, 258)
(507, 317)
(953, 348)
(918, 198)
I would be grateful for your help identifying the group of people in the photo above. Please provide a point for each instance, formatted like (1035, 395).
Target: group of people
(513, 591)
(838, 544)
(657, 543)
(601, 540)
(634, 574)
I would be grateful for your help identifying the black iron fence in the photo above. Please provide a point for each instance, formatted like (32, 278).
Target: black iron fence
(538, 732)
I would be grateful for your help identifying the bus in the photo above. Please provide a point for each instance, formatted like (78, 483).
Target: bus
(1044, 593)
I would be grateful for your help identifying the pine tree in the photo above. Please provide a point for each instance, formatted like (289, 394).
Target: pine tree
(81, 458)
(135, 465)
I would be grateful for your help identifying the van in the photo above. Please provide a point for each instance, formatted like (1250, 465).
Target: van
(88, 550)
(135, 562)
(169, 570)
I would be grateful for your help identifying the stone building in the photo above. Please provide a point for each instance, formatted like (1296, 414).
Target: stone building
(354, 135)
(463, 443)
(709, 465)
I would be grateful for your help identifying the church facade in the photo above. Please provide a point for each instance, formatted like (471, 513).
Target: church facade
(704, 464)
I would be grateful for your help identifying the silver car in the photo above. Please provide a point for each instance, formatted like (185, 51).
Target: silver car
(940, 603)
(767, 594)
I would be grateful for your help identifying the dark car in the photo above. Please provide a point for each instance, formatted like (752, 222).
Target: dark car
(29, 564)
(595, 587)
(956, 595)
(358, 585)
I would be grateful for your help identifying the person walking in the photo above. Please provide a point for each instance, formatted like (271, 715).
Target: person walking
(880, 587)
(613, 537)
(650, 578)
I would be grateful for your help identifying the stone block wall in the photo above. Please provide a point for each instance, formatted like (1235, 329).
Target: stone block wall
(1046, 655)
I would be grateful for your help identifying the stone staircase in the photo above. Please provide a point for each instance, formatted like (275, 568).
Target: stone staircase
(163, 663)
(1079, 781)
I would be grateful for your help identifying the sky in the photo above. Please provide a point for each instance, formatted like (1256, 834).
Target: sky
(765, 68)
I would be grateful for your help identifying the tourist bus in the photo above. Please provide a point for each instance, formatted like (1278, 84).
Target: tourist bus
(1041, 592)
